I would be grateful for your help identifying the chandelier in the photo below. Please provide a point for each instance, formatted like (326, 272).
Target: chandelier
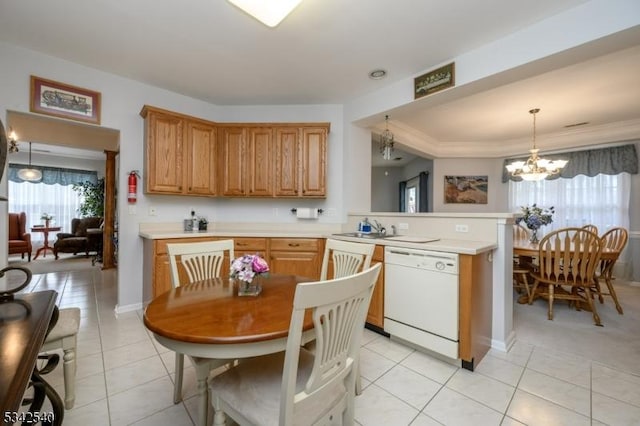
(535, 168)
(13, 141)
(386, 141)
(30, 174)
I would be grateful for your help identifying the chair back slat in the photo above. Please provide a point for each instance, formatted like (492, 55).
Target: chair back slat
(348, 258)
(569, 256)
(198, 261)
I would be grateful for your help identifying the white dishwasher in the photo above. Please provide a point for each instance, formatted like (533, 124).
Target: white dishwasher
(421, 298)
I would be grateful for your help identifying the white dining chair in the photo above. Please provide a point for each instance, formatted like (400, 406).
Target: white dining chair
(297, 386)
(64, 336)
(348, 258)
(199, 261)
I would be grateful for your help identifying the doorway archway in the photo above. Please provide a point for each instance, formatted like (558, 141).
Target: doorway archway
(59, 132)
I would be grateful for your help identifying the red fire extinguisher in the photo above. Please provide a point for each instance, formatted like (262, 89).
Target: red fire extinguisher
(132, 194)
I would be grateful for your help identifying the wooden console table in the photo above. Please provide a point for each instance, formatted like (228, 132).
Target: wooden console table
(45, 230)
(25, 320)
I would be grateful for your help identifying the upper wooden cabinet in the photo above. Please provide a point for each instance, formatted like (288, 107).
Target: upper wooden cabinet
(190, 156)
(180, 154)
(301, 161)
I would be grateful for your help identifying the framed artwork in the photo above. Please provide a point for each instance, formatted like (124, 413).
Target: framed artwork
(466, 189)
(435, 80)
(62, 100)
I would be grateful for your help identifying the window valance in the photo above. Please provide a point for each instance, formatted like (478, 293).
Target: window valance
(591, 162)
(53, 175)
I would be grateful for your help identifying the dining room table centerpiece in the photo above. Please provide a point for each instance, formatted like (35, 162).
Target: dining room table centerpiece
(248, 271)
(534, 218)
(47, 219)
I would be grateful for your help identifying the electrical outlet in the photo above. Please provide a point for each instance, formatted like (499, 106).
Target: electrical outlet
(152, 211)
(331, 212)
(403, 226)
(462, 228)
(132, 209)
(274, 212)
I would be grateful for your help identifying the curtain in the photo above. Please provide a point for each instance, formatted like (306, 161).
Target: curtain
(35, 199)
(591, 162)
(402, 207)
(424, 192)
(54, 175)
(602, 200)
(54, 195)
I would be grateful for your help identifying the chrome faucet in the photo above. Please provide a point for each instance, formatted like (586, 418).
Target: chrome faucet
(376, 226)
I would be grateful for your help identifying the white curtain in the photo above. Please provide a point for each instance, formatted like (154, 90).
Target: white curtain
(602, 200)
(37, 198)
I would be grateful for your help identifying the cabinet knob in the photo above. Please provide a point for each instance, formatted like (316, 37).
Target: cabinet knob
(294, 244)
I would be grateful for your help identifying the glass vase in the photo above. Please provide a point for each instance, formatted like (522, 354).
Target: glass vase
(533, 239)
(249, 288)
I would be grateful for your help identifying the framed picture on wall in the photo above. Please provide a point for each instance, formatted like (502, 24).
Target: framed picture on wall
(62, 100)
(435, 80)
(465, 189)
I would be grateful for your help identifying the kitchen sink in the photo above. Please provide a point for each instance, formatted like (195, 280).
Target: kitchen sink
(370, 235)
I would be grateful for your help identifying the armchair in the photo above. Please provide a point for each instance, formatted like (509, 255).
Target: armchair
(19, 238)
(78, 240)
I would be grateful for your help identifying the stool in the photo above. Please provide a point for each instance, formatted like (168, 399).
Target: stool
(64, 336)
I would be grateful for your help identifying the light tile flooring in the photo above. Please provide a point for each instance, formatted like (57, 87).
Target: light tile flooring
(565, 372)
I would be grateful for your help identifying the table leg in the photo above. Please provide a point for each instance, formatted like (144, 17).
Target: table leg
(202, 374)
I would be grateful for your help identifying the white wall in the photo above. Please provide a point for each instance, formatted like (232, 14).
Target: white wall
(122, 100)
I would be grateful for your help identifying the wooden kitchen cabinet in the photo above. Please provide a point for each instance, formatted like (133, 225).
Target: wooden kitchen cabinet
(296, 256)
(164, 148)
(301, 161)
(180, 154)
(260, 158)
(200, 171)
(375, 315)
(232, 161)
(250, 245)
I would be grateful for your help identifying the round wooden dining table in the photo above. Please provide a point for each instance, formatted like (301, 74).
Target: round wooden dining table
(208, 319)
(528, 249)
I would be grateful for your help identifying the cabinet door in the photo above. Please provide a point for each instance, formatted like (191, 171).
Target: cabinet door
(164, 153)
(201, 155)
(161, 275)
(260, 173)
(250, 245)
(287, 144)
(314, 161)
(303, 263)
(232, 161)
(375, 315)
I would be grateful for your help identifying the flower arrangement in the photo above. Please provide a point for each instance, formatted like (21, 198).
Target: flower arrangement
(46, 216)
(535, 217)
(246, 267)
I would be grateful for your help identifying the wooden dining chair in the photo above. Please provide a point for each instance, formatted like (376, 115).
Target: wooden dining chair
(591, 228)
(297, 386)
(567, 262)
(615, 239)
(191, 262)
(522, 266)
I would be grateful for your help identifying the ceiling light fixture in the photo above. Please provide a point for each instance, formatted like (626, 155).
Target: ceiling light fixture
(535, 168)
(270, 13)
(30, 174)
(377, 74)
(13, 141)
(386, 141)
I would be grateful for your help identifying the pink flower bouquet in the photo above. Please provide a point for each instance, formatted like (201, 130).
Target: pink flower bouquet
(246, 267)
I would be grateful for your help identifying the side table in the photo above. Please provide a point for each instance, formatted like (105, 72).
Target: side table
(45, 230)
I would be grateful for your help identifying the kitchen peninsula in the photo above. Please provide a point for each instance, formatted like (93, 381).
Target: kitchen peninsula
(481, 241)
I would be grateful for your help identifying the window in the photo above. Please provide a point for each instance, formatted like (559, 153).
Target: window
(602, 200)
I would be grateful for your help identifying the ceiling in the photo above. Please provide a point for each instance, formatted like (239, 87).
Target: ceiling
(322, 54)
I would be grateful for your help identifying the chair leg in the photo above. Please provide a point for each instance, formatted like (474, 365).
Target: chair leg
(613, 294)
(596, 317)
(69, 369)
(550, 315)
(533, 291)
(179, 370)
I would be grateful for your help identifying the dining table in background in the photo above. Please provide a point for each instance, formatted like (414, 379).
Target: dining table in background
(208, 319)
(527, 252)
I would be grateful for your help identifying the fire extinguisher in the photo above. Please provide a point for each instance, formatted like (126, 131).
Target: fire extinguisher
(132, 194)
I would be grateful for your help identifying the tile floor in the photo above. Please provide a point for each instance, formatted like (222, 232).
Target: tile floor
(565, 372)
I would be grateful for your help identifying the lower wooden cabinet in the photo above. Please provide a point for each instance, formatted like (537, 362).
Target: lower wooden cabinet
(375, 316)
(296, 256)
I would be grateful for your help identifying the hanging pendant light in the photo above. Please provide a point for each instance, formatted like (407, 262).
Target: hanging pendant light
(386, 141)
(30, 174)
(535, 168)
